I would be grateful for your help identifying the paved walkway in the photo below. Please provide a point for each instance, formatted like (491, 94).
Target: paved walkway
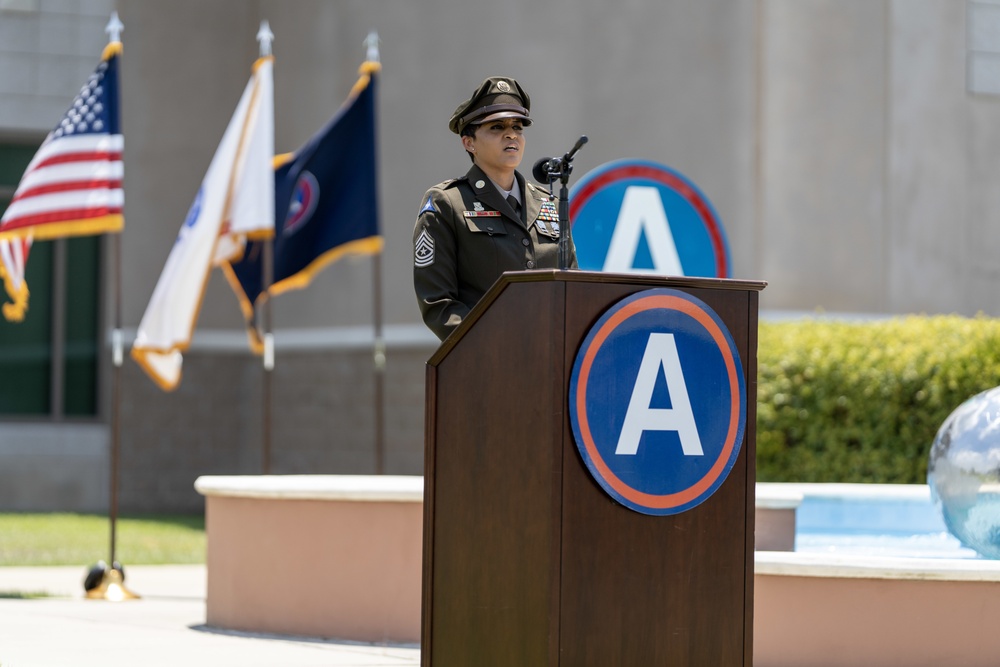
(163, 629)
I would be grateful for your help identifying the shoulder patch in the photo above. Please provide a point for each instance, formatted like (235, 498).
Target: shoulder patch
(428, 206)
(423, 250)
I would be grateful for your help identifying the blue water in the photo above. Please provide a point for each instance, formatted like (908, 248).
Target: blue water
(875, 527)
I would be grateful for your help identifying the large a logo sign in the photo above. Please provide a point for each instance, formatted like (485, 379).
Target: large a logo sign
(635, 216)
(658, 402)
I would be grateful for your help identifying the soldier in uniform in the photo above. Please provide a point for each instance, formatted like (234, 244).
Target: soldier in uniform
(472, 229)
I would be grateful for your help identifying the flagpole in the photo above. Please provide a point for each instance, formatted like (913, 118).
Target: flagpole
(117, 354)
(379, 368)
(371, 42)
(112, 583)
(265, 37)
(268, 366)
(114, 29)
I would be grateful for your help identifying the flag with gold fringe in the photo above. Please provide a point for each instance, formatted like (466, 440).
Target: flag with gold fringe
(73, 184)
(234, 203)
(326, 203)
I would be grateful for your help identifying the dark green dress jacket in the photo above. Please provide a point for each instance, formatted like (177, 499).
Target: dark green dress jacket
(467, 235)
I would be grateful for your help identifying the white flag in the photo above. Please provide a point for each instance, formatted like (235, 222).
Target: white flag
(235, 200)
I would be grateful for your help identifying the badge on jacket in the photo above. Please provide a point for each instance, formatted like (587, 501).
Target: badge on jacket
(550, 229)
(479, 211)
(423, 250)
(547, 221)
(549, 212)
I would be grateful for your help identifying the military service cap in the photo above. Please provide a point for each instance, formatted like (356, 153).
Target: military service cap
(497, 97)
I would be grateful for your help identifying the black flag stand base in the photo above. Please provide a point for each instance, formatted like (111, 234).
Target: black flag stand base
(107, 583)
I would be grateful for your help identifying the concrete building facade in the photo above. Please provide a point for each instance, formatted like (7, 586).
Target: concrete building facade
(850, 148)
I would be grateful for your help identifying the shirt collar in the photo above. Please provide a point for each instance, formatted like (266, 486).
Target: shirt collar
(506, 193)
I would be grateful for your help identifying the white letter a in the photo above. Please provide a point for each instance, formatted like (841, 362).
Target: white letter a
(661, 350)
(642, 211)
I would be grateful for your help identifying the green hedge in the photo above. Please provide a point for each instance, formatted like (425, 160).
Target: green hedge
(857, 401)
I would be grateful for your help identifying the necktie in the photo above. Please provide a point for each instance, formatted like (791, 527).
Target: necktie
(514, 204)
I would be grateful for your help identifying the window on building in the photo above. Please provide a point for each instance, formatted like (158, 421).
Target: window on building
(49, 362)
(983, 40)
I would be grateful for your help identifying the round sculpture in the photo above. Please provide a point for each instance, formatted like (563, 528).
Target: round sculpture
(964, 472)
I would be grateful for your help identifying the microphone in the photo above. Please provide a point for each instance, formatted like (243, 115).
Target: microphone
(549, 168)
(541, 170)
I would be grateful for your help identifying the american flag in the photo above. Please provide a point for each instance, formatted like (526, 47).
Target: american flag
(73, 184)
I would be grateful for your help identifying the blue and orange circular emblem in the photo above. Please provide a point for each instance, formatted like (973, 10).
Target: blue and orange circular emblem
(598, 206)
(657, 401)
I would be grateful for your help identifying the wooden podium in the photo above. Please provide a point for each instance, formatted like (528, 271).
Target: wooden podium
(527, 561)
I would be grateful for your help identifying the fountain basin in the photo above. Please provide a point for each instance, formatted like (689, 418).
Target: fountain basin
(875, 580)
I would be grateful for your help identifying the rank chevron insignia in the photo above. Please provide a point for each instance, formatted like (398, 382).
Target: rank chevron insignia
(423, 250)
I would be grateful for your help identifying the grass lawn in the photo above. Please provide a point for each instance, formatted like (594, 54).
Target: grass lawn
(84, 539)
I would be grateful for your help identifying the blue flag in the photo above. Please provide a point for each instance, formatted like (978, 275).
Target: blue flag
(326, 203)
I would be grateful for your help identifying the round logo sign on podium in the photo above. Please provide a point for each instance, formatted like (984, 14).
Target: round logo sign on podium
(658, 402)
(633, 216)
